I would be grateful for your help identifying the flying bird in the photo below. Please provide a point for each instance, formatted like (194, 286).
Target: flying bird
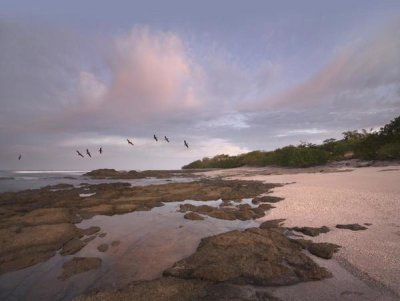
(186, 144)
(166, 139)
(79, 153)
(129, 141)
(87, 151)
(155, 137)
(19, 157)
(100, 150)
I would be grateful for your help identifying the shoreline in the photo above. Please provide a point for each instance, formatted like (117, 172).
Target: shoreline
(338, 263)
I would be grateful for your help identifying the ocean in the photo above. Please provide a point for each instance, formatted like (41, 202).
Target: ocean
(17, 180)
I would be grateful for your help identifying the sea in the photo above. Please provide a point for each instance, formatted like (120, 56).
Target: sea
(17, 180)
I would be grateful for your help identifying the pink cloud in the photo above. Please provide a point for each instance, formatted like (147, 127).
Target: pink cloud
(151, 73)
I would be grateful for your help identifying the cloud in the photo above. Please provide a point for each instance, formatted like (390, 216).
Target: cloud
(367, 65)
(150, 74)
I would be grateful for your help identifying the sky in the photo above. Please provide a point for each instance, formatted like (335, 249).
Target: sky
(226, 76)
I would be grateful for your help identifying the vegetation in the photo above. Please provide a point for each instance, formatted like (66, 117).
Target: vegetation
(383, 144)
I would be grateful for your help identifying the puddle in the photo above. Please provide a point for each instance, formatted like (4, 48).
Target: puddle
(150, 242)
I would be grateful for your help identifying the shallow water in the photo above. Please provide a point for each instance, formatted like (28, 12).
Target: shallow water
(150, 242)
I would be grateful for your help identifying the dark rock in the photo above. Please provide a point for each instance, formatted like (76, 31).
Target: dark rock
(102, 234)
(266, 199)
(88, 239)
(90, 230)
(311, 231)
(72, 246)
(79, 265)
(274, 223)
(367, 224)
(102, 248)
(323, 249)
(353, 227)
(254, 256)
(162, 289)
(193, 216)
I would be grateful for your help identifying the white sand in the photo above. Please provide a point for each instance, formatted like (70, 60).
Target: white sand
(366, 195)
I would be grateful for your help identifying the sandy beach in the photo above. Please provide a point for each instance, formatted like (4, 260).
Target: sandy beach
(364, 195)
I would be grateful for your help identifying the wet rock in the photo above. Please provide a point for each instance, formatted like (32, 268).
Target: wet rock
(90, 231)
(303, 243)
(102, 248)
(79, 265)
(88, 239)
(72, 246)
(353, 227)
(266, 199)
(274, 223)
(115, 243)
(32, 244)
(254, 256)
(311, 231)
(193, 216)
(162, 289)
(324, 250)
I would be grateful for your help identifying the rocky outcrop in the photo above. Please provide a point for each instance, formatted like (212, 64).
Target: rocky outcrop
(102, 248)
(73, 246)
(193, 216)
(254, 256)
(240, 212)
(266, 199)
(311, 231)
(353, 227)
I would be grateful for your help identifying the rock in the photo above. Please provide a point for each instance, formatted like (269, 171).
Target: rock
(254, 256)
(90, 231)
(227, 292)
(241, 212)
(193, 216)
(115, 243)
(102, 248)
(266, 199)
(32, 244)
(353, 227)
(367, 224)
(170, 288)
(79, 265)
(72, 246)
(323, 249)
(303, 243)
(162, 289)
(102, 235)
(310, 231)
(88, 239)
(274, 223)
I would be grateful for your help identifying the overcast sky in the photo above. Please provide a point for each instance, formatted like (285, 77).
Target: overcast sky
(227, 76)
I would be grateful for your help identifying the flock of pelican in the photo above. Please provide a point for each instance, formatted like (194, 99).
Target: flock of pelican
(129, 142)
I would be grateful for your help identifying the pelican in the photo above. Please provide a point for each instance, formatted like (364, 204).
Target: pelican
(155, 137)
(129, 141)
(87, 151)
(79, 153)
(186, 144)
(100, 150)
(19, 157)
(166, 139)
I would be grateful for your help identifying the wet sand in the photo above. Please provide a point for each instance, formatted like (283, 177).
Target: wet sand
(365, 195)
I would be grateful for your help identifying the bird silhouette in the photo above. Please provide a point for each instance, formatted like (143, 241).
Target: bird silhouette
(79, 153)
(186, 144)
(87, 151)
(129, 141)
(166, 139)
(155, 137)
(19, 157)
(100, 150)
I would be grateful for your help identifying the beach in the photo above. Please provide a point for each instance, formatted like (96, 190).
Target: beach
(137, 243)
